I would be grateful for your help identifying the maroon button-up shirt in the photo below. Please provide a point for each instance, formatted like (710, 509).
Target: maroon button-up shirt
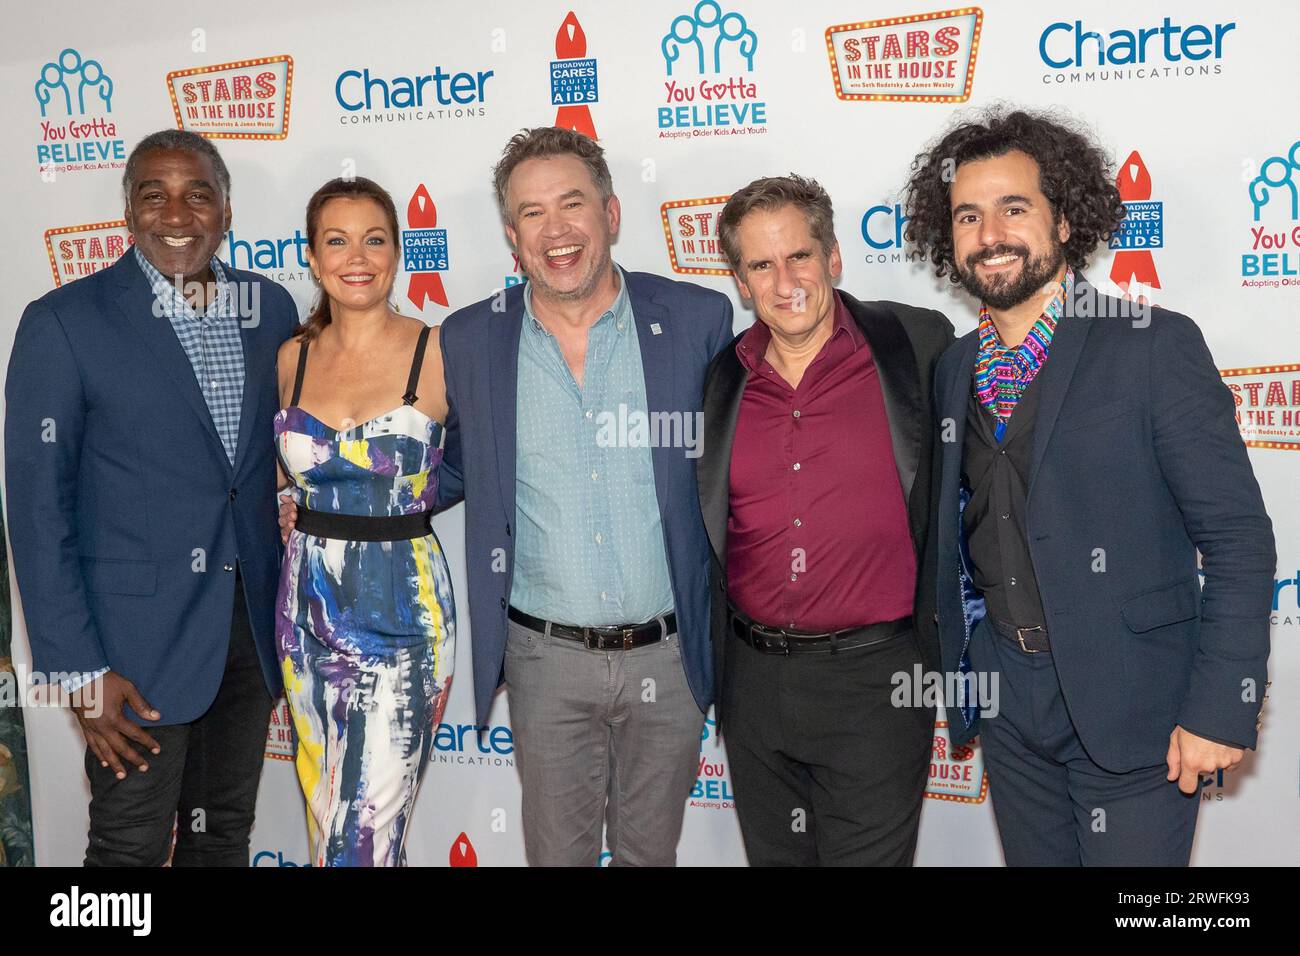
(818, 536)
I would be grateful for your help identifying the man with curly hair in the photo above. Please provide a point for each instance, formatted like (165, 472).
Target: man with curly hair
(1088, 451)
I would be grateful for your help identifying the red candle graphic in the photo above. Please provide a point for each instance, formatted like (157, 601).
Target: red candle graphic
(462, 852)
(421, 213)
(1134, 265)
(571, 44)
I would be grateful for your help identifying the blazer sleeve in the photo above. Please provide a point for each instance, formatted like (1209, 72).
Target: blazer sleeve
(451, 479)
(44, 427)
(723, 334)
(1205, 464)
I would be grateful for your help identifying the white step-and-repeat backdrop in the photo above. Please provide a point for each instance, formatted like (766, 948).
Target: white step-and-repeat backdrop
(1194, 100)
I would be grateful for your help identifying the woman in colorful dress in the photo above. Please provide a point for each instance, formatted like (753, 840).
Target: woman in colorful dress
(365, 618)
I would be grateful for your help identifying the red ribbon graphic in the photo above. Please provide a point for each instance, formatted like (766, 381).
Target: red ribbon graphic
(571, 44)
(1134, 184)
(421, 213)
(462, 852)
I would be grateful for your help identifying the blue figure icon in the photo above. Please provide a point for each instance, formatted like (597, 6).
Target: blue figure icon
(1276, 173)
(739, 32)
(51, 80)
(684, 30)
(93, 76)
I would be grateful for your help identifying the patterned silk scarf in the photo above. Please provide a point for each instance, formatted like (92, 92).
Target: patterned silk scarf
(1003, 372)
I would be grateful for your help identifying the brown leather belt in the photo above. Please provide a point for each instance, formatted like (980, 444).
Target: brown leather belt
(618, 637)
(1031, 640)
(784, 640)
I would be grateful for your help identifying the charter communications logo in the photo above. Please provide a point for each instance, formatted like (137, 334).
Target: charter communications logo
(1076, 52)
(368, 97)
(75, 908)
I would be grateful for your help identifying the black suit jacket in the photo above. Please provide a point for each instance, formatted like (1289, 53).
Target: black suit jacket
(906, 343)
(1137, 464)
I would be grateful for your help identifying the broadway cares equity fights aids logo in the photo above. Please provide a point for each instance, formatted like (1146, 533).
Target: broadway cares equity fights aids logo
(574, 85)
(1133, 270)
(924, 58)
(691, 229)
(710, 89)
(77, 132)
(424, 250)
(246, 99)
(77, 251)
(1272, 257)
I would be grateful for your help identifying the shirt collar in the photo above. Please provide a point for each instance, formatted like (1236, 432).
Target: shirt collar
(752, 347)
(618, 307)
(173, 303)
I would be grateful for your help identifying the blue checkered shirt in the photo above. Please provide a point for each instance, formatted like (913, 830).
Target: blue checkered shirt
(216, 353)
(212, 344)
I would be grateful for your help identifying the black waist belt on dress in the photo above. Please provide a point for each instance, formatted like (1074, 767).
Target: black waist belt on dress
(611, 637)
(323, 524)
(782, 640)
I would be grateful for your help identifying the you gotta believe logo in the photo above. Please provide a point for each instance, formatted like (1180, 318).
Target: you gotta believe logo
(719, 49)
(75, 97)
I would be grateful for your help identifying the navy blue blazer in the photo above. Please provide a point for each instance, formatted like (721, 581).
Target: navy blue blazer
(1137, 463)
(125, 515)
(680, 327)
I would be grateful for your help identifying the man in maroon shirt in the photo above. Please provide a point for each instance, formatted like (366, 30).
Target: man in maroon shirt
(815, 485)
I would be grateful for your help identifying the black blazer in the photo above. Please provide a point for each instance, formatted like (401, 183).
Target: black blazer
(906, 342)
(1137, 464)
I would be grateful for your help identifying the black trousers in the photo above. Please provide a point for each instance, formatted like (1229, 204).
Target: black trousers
(204, 781)
(1053, 804)
(826, 771)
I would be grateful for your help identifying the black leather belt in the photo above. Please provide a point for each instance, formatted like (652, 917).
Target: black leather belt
(617, 637)
(784, 640)
(1031, 640)
(323, 524)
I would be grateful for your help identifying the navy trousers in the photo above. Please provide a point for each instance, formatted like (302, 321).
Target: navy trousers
(1053, 805)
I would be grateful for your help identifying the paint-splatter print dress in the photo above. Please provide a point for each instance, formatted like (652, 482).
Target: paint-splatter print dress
(365, 629)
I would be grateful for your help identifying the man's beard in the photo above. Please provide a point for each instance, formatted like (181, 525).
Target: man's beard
(1001, 293)
(600, 268)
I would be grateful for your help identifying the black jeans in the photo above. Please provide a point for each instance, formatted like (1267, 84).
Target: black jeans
(204, 781)
(826, 770)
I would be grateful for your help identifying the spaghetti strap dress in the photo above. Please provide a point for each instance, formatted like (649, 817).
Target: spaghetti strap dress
(365, 628)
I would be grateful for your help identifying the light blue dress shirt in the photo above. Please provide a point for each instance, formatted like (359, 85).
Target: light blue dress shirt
(589, 544)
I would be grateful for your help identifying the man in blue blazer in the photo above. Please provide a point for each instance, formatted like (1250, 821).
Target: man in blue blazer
(573, 435)
(141, 493)
(1089, 450)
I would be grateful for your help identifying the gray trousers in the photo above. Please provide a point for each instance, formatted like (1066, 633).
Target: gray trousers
(603, 739)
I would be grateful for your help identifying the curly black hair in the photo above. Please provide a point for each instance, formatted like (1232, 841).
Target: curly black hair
(1073, 173)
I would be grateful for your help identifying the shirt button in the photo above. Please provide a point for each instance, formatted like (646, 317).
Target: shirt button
(599, 537)
(594, 474)
(1013, 582)
(798, 523)
(1002, 452)
(796, 466)
(620, 326)
(602, 595)
(794, 577)
(796, 413)
(588, 413)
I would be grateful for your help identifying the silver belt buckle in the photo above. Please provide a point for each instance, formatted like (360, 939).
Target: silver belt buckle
(1020, 636)
(628, 633)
